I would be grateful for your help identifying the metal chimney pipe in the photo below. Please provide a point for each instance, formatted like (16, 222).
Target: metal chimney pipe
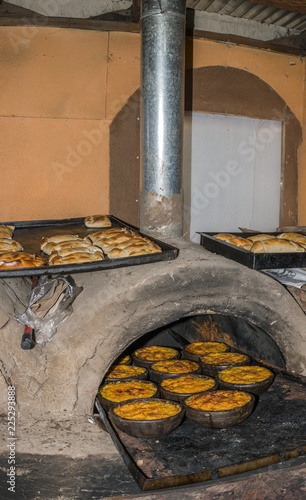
(162, 83)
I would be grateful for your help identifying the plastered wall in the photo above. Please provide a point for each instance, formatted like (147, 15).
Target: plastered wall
(59, 92)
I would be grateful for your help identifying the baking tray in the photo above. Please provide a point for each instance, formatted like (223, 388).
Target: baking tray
(254, 261)
(29, 234)
(274, 432)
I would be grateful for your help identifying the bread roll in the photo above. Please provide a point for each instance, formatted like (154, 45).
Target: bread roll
(58, 238)
(117, 253)
(240, 242)
(63, 252)
(141, 251)
(224, 236)
(50, 247)
(11, 260)
(296, 237)
(134, 250)
(260, 237)
(6, 230)
(77, 258)
(10, 246)
(119, 243)
(97, 221)
(276, 245)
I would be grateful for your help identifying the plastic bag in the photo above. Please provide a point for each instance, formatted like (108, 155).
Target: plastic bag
(289, 276)
(49, 306)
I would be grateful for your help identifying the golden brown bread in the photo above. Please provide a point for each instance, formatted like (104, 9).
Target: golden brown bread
(6, 231)
(276, 245)
(116, 240)
(133, 250)
(260, 237)
(240, 242)
(9, 260)
(47, 243)
(108, 233)
(97, 221)
(76, 258)
(63, 252)
(296, 237)
(224, 236)
(119, 243)
(9, 245)
(50, 247)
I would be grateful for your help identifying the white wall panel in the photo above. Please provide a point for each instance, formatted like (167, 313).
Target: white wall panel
(232, 173)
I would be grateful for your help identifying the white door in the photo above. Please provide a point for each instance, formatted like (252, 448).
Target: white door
(232, 174)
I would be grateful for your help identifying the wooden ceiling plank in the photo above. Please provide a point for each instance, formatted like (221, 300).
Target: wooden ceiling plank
(292, 5)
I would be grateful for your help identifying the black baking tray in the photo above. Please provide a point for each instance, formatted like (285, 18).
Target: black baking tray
(30, 233)
(252, 260)
(273, 433)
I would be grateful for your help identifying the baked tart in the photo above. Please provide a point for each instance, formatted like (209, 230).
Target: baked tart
(219, 409)
(145, 356)
(179, 388)
(254, 379)
(161, 370)
(117, 372)
(115, 392)
(147, 418)
(150, 410)
(124, 360)
(195, 350)
(214, 362)
(218, 400)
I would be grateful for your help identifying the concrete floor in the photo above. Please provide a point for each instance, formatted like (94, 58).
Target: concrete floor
(77, 460)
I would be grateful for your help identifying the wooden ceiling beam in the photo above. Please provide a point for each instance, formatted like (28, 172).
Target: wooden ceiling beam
(136, 11)
(291, 5)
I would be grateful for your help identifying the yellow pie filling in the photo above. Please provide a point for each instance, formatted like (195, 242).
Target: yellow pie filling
(187, 384)
(156, 353)
(176, 366)
(124, 360)
(147, 410)
(244, 374)
(218, 400)
(121, 391)
(123, 371)
(224, 358)
(206, 347)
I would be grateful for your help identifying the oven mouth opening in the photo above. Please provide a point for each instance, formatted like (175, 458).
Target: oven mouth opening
(270, 435)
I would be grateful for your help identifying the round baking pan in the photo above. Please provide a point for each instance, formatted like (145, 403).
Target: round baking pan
(180, 396)
(211, 346)
(148, 428)
(140, 375)
(158, 376)
(219, 419)
(212, 368)
(256, 388)
(146, 363)
(107, 404)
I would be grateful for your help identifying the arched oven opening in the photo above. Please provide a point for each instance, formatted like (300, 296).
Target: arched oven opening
(193, 453)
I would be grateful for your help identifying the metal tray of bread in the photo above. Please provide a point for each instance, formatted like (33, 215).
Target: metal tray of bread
(252, 260)
(30, 233)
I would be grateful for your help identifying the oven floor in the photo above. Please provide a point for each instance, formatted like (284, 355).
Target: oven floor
(45, 477)
(275, 431)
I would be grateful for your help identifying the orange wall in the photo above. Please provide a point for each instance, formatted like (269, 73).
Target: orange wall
(60, 90)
